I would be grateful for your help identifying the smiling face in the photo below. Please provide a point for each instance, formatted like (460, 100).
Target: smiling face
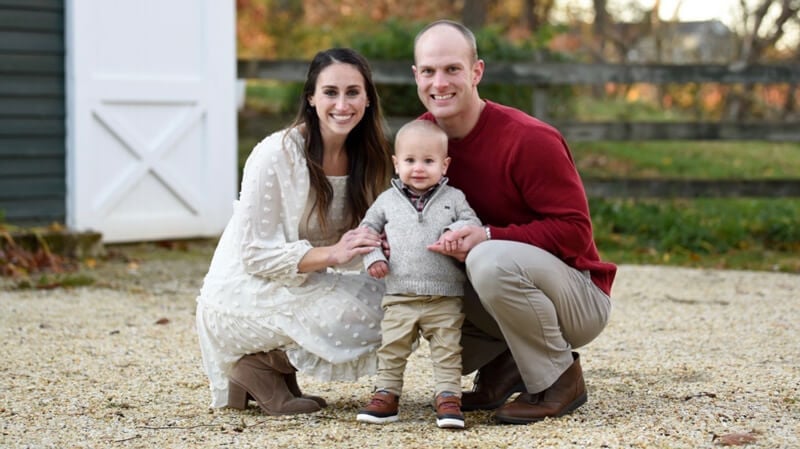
(447, 75)
(420, 156)
(339, 99)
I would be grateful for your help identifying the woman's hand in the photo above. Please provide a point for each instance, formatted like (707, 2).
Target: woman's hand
(358, 241)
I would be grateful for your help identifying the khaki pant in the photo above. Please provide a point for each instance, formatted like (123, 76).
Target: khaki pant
(439, 320)
(525, 299)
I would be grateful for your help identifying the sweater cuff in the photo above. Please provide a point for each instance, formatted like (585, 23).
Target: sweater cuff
(372, 257)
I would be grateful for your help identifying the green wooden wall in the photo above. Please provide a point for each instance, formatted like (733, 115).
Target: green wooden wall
(32, 112)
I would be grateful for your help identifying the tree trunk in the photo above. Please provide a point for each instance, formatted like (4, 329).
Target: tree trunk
(529, 14)
(758, 36)
(790, 106)
(600, 28)
(474, 13)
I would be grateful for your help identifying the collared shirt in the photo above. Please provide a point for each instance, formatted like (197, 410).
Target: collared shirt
(418, 200)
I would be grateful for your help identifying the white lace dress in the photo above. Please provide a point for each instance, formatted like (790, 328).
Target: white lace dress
(253, 299)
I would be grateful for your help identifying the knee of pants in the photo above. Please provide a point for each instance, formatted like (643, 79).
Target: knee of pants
(481, 264)
(486, 270)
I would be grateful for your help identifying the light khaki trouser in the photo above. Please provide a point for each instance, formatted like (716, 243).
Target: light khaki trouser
(439, 320)
(525, 299)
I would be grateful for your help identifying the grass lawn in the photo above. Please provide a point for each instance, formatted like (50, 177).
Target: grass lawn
(688, 159)
(746, 233)
(756, 234)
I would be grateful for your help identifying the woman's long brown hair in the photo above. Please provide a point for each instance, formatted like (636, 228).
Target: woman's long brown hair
(368, 154)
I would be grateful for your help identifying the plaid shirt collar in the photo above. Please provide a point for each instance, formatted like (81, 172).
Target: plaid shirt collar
(418, 200)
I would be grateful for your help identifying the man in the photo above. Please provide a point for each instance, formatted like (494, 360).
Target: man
(538, 288)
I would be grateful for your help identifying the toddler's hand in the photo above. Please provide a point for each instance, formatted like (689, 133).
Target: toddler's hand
(378, 269)
(458, 243)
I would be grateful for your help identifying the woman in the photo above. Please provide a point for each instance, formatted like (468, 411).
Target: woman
(277, 296)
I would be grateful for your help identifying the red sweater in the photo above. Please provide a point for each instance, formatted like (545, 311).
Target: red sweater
(518, 175)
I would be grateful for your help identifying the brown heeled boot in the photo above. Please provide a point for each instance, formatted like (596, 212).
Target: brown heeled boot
(494, 384)
(261, 376)
(294, 388)
(565, 395)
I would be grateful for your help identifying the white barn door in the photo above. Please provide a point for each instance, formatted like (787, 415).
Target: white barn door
(151, 117)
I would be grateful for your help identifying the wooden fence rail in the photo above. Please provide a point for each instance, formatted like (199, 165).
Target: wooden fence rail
(542, 75)
(534, 73)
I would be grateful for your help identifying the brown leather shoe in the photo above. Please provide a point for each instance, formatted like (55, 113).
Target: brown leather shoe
(494, 384)
(565, 395)
(261, 376)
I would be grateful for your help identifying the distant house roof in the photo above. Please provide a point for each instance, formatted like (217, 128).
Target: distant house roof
(708, 41)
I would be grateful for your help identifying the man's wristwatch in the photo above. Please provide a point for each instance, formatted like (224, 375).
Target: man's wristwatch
(488, 232)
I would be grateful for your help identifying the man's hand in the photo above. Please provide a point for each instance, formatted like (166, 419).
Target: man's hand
(457, 244)
(378, 269)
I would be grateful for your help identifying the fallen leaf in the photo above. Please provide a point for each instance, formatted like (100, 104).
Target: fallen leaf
(735, 439)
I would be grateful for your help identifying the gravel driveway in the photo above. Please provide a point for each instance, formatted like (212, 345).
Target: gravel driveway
(690, 359)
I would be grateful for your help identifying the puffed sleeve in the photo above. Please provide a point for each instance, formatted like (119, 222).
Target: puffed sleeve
(272, 199)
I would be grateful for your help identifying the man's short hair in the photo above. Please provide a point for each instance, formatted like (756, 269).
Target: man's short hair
(468, 35)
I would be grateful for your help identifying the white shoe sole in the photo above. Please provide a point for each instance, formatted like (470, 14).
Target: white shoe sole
(363, 417)
(450, 423)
